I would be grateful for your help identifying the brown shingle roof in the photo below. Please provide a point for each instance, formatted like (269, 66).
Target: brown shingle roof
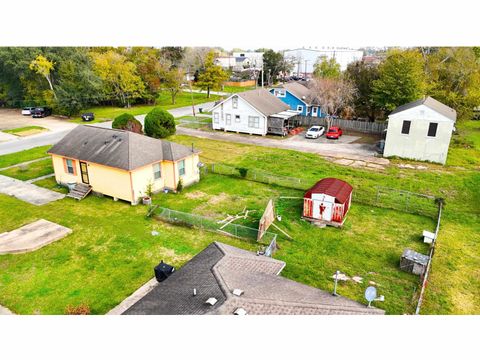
(220, 268)
(117, 148)
(302, 92)
(263, 101)
(432, 104)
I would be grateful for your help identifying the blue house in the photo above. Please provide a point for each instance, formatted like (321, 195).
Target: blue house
(299, 98)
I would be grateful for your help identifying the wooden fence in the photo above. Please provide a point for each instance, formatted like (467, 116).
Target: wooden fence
(354, 125)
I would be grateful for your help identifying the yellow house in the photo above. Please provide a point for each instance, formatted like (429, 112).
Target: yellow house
(122, 164)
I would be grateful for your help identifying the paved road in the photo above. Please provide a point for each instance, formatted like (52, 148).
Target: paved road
(53, 136)
(363, 152)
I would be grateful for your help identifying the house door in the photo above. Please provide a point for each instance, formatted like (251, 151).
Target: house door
(84, 172)
(314, 111)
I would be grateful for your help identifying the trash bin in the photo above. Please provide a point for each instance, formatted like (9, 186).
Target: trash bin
(163, 271)
(200, 110)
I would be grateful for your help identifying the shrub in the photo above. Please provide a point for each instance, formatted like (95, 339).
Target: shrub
(159, 123)
(127, 122)
(180, 185)
(243, 172)
(81, 309)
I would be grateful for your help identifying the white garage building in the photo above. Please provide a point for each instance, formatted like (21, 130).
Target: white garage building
(420, 130)
(253, 112)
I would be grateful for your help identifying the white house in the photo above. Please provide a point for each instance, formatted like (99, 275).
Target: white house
(420, 130)
(252, 112)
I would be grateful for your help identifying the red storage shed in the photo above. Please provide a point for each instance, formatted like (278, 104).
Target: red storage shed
(328, 201)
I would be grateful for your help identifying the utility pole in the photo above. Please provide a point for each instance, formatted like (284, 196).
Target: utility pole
(191, 93)
(262, 74)
(305, 69)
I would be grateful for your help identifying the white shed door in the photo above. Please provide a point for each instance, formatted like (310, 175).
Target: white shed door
(322, 210)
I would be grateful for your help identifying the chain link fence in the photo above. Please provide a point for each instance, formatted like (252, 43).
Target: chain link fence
(204, 223)
(379, 196)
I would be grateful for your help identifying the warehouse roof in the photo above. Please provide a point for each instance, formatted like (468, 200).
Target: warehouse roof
(221, 269)
(117, 148)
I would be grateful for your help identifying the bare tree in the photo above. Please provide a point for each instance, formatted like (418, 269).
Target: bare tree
(334, 95)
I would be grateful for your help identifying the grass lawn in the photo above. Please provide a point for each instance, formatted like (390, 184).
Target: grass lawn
(26, 130)
(23, 156)
(200, 122)
(51, 184)
(237, 89)
(112, 252)
(30, 171)
(108, 113)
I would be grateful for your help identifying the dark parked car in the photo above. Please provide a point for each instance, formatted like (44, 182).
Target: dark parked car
(41, 112)
(88, 116)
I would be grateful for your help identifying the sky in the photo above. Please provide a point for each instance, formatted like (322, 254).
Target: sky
(247, 24)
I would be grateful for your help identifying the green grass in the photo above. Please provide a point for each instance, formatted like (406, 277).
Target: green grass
(112, 252)
(51, 184)
(237, 89)
(23, 156)
(26, 130)
(30, 171)
(108, 113)
(200, 122)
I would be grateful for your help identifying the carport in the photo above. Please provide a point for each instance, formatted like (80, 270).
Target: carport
(282, 122)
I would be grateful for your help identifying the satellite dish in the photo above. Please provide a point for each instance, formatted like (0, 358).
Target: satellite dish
(370, 293)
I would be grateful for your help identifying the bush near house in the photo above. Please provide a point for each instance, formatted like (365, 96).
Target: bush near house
(159, 123)
(127, 122)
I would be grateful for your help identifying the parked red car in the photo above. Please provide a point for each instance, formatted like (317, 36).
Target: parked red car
(334, 132)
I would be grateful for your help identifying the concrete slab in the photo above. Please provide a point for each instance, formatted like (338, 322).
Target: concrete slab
(345, 162)
(5, 311)
(31, 237)
(30, 193)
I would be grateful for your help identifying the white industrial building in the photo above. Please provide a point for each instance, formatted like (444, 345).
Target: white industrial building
(420, 130)
(304, 60)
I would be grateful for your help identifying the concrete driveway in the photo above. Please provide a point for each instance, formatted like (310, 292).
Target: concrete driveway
(344, 139)
(12, 118)
(30, 193)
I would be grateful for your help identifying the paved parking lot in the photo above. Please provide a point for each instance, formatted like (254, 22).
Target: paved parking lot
(12, 118)
(344, 139)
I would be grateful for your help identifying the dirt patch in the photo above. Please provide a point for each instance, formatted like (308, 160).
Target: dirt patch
(218, 198)
(196, 195)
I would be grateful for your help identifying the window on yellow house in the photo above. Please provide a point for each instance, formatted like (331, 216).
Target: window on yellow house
(181, 168)
(70, 168)
(157, 171)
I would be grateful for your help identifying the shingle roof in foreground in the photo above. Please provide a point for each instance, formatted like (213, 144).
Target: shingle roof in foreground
(221, 268)
(432, 104)
(117, 148)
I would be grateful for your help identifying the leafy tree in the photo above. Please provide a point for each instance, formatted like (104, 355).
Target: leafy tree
(127, 122)
(454, 78)
(159, 123)
(327, 69)
(173, 54)
(172, 81)
(273, 65)
(149, 68)
(401, 79)
(41, 65)
(362, 75)
(119, 76)
(212, 76)
(334, 95)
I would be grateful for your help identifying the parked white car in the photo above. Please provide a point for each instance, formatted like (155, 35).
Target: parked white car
(315, 132)
(27, 110)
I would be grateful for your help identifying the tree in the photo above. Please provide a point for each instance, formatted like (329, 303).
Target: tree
(327, 68)
(454, 78)
(41, 65)
(273, 65)
(401, 79)
(173, 54)
(334, 95)
(149, 68)
(159, 123)
(362, 75)
(172, 81)
(211, 76)
(119, 76)
(127, 122)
